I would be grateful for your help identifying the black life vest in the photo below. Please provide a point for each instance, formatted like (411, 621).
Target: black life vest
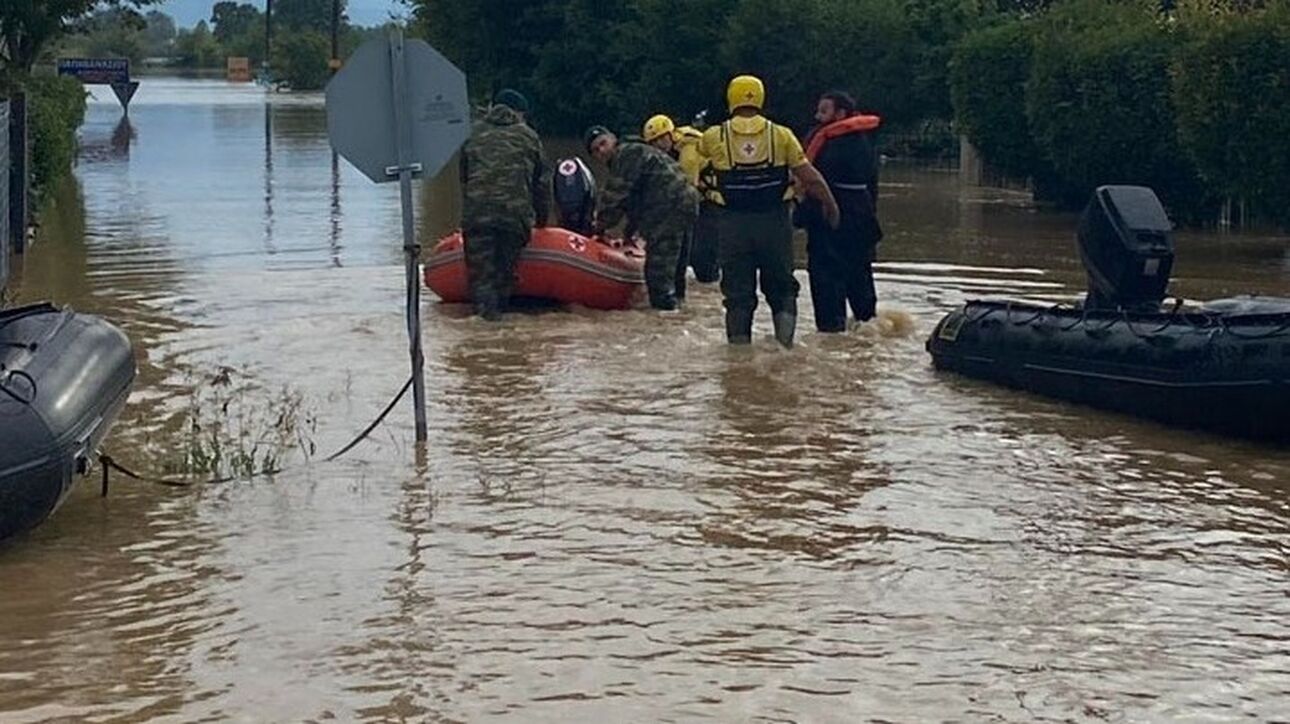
(574, 189)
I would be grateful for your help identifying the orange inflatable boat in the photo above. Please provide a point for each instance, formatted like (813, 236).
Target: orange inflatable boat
(557, 264)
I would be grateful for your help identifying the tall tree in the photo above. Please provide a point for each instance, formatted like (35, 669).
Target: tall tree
(232, 19)
(159, 33)
(306, 14)
(28, 26)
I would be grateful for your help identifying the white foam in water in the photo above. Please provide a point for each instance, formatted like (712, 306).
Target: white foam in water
(889, 323)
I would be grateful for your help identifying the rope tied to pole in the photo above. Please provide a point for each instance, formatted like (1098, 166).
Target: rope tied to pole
(110, 464)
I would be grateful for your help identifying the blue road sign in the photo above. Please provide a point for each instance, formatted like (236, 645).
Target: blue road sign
(101, 71)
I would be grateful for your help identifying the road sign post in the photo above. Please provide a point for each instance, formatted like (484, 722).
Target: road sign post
(398, 111)
(114, 72)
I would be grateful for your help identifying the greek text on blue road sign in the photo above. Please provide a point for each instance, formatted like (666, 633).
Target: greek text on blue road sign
(96, 70)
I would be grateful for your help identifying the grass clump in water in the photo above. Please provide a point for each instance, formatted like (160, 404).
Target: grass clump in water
(229, 429)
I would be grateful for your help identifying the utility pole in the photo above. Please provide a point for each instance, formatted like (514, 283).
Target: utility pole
(268, 35)
(334, 63)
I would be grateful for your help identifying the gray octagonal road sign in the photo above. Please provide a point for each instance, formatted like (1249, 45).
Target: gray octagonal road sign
(362, 120)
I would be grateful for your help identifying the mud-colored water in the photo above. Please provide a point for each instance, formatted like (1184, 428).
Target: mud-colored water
(617, 517)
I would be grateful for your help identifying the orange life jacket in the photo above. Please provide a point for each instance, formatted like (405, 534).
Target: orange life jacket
(858, 123)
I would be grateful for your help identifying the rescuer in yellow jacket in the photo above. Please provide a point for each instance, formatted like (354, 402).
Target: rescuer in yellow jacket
(753, 163)
(683, 145)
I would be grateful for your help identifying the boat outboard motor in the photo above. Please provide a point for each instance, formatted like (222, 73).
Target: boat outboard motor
(575, 194)
(1126, 248)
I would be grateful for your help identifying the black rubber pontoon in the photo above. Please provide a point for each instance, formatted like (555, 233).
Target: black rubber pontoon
(1202, 368)
(63, 379)
(1222, 366)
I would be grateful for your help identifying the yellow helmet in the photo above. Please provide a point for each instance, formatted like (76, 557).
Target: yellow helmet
(657, 126)
(745, 90)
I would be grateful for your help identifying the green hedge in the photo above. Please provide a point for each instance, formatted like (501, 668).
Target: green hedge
(621, 61)
(55, 110)
(1191, 103)
(1231, 86)
(1098, 102)
(988, 74)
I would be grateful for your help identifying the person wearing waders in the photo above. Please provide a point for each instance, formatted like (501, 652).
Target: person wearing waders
(754, 161)
(651, 191)
(505, 193)
(840, 261)
(682, 144)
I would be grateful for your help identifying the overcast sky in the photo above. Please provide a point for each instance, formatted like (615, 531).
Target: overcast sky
(361, 12)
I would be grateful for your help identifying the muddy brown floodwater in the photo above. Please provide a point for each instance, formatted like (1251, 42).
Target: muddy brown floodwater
(617, 517)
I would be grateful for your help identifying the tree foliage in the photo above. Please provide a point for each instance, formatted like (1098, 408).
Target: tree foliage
(56, 108)
(1231, 88)
(197, 48)
(618, 61)
(28, 26)
(231, 19)
(159, 33)
(1098, 102)
(301, 59)
(312, 15)
(988, 75)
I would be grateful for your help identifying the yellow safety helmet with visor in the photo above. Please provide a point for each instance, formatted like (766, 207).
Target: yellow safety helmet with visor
(745, 91)
(657, 126)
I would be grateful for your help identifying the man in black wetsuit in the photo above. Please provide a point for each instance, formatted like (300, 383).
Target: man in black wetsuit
(840, 261)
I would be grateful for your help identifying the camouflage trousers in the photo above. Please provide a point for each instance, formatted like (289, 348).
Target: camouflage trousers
(491, 255)
(663, 249)
(703, 245)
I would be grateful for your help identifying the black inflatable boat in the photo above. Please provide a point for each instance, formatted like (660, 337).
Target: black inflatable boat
(63, 379)
(1205, 368)
(1222, 366)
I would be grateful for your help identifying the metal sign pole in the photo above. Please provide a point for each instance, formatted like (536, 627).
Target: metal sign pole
(408, 87)
(411, 250)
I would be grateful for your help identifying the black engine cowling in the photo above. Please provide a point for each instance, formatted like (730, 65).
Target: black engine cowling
(1125, 245)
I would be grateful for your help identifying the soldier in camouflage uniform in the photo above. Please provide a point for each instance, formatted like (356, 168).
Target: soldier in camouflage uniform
(650, 189)
(505, 193)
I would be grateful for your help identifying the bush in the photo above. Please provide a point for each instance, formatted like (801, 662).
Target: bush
(988, 74)
(55, 109)
(1231, 86)
(1098, 103)
(301, 60)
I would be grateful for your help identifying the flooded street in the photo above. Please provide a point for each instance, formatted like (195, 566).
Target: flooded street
(618, 518)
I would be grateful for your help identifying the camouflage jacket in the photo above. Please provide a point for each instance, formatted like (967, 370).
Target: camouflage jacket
(649, 188)
(504, 176)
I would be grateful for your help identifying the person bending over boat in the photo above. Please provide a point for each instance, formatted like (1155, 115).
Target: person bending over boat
(505, 193)
(651, 191)
(840, 261)
(754, 161)
(682, 144)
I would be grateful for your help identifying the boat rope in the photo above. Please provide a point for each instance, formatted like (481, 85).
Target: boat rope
(1098, 321)
(1169, 321)
(109, 463)
(1274, 332)
(1031, 320)
(10, 374)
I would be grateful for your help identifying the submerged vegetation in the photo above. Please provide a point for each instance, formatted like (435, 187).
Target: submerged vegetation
(230, 428)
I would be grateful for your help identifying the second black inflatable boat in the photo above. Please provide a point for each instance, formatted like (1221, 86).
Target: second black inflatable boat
(1223, 365)
(63, 379)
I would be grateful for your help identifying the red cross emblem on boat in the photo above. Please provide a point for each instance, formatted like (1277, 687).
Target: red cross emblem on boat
(568, 167)
(577, 243)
